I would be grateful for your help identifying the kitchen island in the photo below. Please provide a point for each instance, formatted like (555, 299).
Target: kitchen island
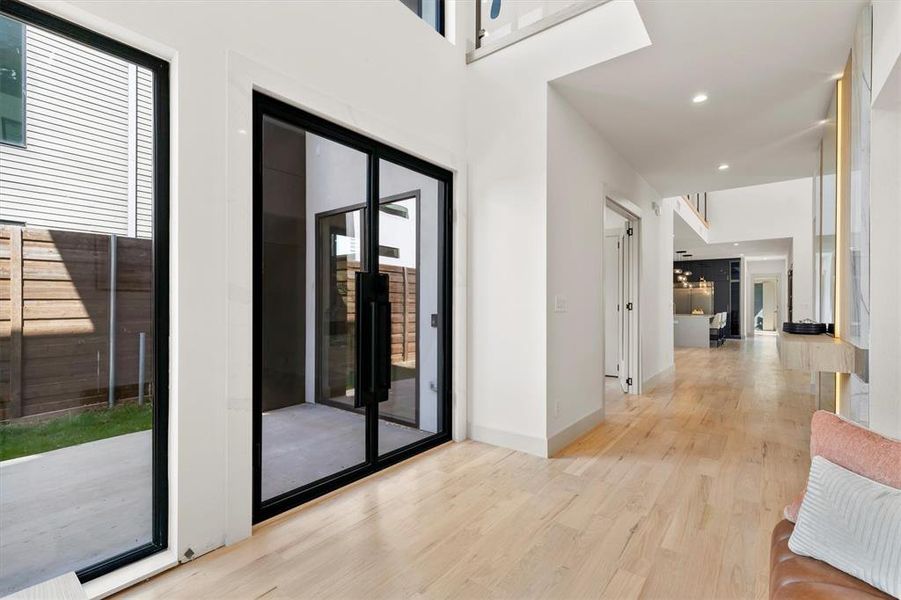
(691, 331)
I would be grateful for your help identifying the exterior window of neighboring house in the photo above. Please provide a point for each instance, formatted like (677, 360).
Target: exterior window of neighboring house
(389, 251)
(430, 11)
(396, 210)
(12, 82)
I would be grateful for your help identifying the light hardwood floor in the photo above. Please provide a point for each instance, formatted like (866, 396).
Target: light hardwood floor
(674, 496)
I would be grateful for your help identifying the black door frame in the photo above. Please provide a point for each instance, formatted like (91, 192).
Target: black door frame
(266, 106)
(160, 432)
(414, 195)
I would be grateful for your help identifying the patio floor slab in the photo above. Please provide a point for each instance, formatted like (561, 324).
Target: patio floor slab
(66, 509)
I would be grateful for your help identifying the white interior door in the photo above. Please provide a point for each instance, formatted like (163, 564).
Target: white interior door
(769, 305)
(624, 284)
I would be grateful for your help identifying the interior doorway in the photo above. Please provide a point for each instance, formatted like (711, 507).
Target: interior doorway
(352, 298)
(622, 227)
(766, 306)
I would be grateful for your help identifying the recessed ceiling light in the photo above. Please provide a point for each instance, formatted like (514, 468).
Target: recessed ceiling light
(822, 121)
(723, 167)
(838, 76)
(699, 98)
(735, 243)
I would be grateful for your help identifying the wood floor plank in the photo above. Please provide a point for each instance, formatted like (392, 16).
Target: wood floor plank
(674, 495)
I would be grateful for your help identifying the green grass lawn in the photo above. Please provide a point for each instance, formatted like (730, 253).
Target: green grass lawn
(24, 439)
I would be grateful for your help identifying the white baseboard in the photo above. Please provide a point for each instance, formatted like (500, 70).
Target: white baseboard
(568, 435)
(508, 439)
(651, 382)
(535, 445)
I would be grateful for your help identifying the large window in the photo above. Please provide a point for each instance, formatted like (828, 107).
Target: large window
(83, 303)
(430, 11)
(12, 81)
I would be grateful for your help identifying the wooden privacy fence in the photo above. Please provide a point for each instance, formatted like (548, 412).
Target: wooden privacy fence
(402, 295)
(62, 295)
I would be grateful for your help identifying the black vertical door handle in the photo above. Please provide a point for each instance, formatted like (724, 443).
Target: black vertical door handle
(381, 349)
(373, 339)
(381, 337)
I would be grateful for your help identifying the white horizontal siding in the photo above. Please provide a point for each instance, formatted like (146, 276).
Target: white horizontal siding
(144, 171)
(74, 171)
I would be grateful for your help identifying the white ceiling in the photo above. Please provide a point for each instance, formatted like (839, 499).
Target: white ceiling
(767, 67)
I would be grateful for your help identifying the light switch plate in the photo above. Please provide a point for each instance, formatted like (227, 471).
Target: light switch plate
(560, 304)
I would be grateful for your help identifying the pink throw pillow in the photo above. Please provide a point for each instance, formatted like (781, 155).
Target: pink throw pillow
(853, 447)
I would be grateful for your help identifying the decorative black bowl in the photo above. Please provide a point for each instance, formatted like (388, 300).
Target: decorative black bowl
(804, 328)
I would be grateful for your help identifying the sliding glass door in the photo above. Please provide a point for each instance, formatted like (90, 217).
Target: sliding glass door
(351, 306)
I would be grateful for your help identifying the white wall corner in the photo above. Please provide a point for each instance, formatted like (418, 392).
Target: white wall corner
(568, 435)
(508, 439)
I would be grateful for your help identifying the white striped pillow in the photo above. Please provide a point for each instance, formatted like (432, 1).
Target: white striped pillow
(852, 523)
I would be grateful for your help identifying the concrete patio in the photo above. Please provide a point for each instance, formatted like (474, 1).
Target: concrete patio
(66, 509)
(306, 442)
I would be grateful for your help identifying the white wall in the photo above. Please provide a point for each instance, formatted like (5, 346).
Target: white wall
(690, 218)
(507, 140)
(656, 288)
(327, 57)
(885, 211)
(770, 211)
(886, 44)
(582, 171)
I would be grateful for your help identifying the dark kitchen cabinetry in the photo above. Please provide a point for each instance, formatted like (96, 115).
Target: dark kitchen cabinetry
(725, 274)
(735, 298)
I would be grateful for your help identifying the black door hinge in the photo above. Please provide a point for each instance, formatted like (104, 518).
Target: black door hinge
(629, 306)
(629, 231)
(629, 381)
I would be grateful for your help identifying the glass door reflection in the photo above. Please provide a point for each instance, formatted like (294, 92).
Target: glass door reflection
(313, 191)
(409, 236)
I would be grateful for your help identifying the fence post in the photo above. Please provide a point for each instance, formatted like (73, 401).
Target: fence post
(141, 368)
(16, 322)
(111, 394)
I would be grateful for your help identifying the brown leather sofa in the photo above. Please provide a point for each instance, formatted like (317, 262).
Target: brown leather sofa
(794, 577)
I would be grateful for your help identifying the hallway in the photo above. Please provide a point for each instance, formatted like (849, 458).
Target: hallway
(674, 496)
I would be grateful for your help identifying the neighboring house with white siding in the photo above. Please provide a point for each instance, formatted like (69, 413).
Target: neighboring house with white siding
(85, 161)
